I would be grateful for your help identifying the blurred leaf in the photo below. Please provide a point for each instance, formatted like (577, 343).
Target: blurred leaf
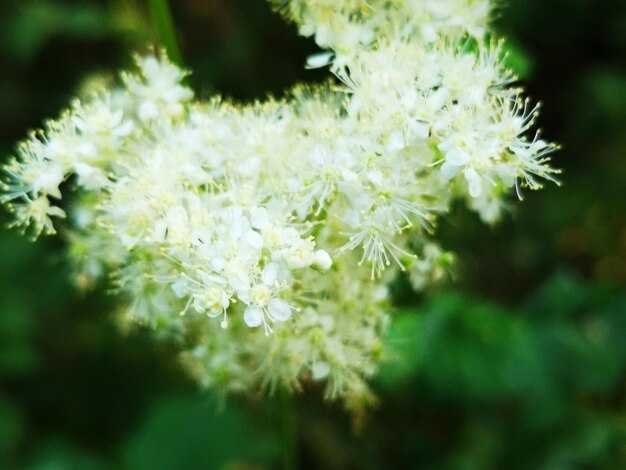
(580, 328)
(518, 60)
(403, 345)
(11, 428)
(586, 443)
(36, 22)
(186, 433)
(18, 355)
(476, 350)
(131, 23)
(56, 454)
(558, 299)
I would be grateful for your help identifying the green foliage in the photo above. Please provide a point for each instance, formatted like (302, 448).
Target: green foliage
(569, 331)
(531, 386)
(162, 17)
(33, 24)
(11, 426)
(518, 60)
(202, 437)
(465, 348)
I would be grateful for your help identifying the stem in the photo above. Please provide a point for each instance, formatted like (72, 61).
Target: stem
(289, 437)
(164, 25)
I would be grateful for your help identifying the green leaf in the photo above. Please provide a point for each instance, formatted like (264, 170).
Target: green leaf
(518, 60)
(35, 23)
(11, 427)
(403, 344)
(188, 433)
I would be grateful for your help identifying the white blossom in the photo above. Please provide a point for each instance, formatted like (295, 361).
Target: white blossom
(288, 214)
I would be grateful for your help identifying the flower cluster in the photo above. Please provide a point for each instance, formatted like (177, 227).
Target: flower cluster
(287, 216)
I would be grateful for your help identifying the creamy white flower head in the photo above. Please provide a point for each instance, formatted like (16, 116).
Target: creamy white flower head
(216, 218)
(158, 90)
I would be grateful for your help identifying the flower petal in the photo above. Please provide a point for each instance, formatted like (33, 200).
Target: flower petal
(279, 310)
(253, 316)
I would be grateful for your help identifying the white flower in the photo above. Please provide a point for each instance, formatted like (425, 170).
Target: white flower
(101, 118)
(300, 255)
(220, 208)
(158, 90)
(47, 182)
(322, 260)
(214, 301)
(89, 177)
(37, 213)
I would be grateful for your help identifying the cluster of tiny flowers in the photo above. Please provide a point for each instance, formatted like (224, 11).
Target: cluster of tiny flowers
(287, 216)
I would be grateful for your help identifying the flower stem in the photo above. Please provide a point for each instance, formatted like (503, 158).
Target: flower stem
(289, 436)
(164, 26)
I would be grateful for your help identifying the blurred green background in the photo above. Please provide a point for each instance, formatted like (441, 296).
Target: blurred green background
(520, 363)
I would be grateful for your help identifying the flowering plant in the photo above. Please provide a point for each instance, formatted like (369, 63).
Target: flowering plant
(288, 216)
